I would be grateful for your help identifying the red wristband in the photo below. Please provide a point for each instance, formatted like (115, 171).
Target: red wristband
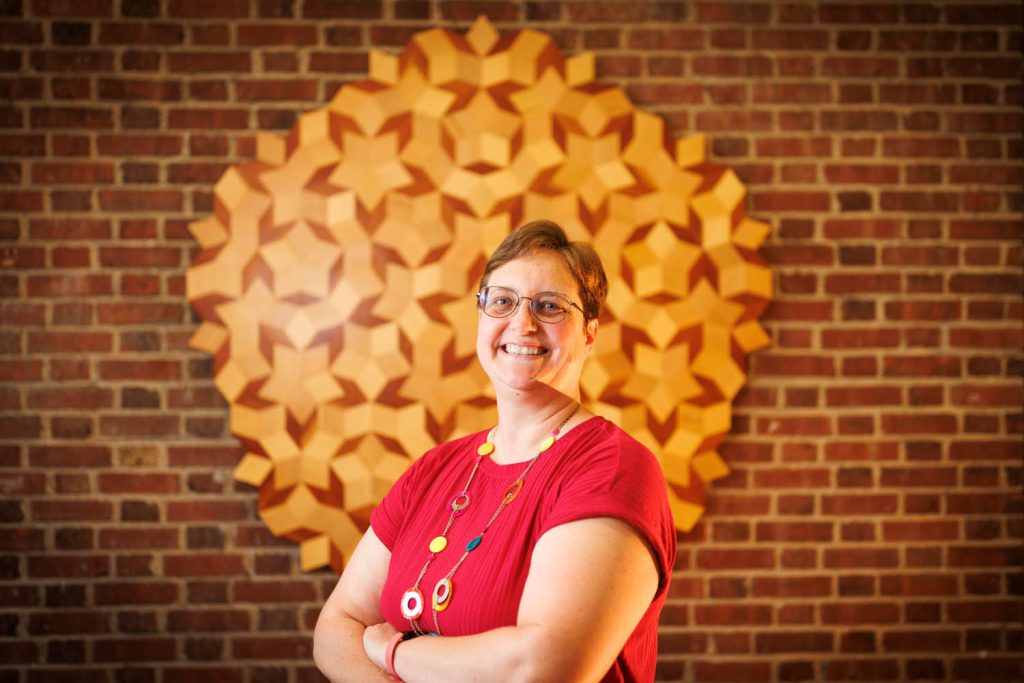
(389, 655)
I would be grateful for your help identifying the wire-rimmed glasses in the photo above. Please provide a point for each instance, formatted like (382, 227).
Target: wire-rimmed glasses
(545, 307)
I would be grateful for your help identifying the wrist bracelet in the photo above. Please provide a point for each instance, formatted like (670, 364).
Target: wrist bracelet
(389, 655)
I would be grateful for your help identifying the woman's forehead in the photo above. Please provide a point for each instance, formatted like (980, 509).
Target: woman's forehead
(541, 267)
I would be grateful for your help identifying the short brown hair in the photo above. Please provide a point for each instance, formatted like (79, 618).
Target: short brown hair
(583, 262)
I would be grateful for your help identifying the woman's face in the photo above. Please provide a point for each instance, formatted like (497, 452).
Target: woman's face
(522, 354)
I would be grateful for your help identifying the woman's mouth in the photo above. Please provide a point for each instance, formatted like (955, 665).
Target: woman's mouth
(516, 350)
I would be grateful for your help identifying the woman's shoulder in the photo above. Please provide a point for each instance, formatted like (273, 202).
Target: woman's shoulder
(600, 435)
(441, 454)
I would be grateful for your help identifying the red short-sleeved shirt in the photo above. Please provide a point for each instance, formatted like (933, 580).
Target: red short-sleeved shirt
(594, 470)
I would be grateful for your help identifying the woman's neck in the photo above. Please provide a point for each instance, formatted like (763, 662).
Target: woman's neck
(523, 426)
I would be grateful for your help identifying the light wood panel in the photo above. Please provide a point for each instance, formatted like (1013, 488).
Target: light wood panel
(336, 276)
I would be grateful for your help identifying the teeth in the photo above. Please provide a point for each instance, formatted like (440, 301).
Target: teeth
(523, 350)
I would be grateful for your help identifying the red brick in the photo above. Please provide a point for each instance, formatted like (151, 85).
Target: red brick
(69, 285)
(138, 538)
(792, 586)
(204, 565)
(719, 559)
(270, 647)
(920, 531)
(973, 504)
(794, 366)
(141, 482)
(791, 477)
(21, 370)
(276, 90)
(923, 366)
(860, 338)
(860, 558)
(130, 313)
(69, 456)
(208, 620)
(198, 673)
(986, 337)
(19, 652)
(857, 504)
(935, 202)
(75, 566)
(82, 398)
(986, 229)
(791, 201)
(273, 591)
(136, 593)
(919, 584)
(140, 370)
(733, 615)
(936, 310)
(918, 423)
(860, 613)
(67, 622)
(794, 532)
(862, 174)
(209, 119)
(796, 641)
(903, 477)
(998, 611)
(57, 509)
(138, 145)
(58, 173)
(141, 200)
(863, 396)
(135, 649)
(855, 120)
(732, 671)
(208, 62)
(726, 120)
(140, 33)
(70, 228)
(206, 511)
(223, 9)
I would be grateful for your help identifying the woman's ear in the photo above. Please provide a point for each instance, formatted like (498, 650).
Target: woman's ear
(590, 333)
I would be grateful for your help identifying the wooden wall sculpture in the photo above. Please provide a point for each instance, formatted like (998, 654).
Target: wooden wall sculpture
(335, 279)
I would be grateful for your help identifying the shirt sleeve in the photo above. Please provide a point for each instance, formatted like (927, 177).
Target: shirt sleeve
(620, 479)
(389, 515)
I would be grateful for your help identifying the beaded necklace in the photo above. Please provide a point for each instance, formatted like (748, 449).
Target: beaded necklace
(412, 604)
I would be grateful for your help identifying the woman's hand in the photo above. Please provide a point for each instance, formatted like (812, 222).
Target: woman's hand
(375, 642)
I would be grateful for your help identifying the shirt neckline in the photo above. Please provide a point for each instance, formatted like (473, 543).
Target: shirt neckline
(510, 471)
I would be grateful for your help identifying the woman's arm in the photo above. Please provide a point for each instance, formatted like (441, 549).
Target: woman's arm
(353, 605)
(590, 583)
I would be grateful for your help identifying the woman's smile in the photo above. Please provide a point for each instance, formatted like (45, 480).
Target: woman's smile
(517, 350)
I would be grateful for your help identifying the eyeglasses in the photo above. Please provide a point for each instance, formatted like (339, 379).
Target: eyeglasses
(546, 307)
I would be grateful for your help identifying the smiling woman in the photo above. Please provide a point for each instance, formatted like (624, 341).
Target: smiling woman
(540, 549)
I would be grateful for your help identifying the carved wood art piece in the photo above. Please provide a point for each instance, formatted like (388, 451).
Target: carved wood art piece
(336, 275)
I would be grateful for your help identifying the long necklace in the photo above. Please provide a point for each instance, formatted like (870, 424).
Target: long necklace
(412, 604)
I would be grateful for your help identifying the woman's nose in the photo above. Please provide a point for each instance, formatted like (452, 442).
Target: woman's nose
(522, 317)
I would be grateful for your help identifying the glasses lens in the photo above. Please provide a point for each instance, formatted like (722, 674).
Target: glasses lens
(550, 307)
(498, 302)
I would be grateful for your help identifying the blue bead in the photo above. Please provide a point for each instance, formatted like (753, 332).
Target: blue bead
(474, 543)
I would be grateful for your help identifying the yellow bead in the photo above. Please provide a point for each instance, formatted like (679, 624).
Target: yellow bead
(486, 448)
(548, 442)
(438, 544)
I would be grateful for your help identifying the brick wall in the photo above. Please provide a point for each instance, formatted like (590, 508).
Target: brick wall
(872, 527)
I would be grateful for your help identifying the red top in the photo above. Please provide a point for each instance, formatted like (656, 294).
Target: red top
(594, 470)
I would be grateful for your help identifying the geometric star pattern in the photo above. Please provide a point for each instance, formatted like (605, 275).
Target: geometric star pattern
(335, 277)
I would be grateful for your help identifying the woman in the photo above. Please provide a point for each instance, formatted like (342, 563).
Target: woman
(539, 550)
